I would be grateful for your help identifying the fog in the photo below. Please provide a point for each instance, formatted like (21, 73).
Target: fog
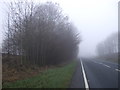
(94, 19)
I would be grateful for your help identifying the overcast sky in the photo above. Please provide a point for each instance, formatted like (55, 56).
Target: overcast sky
(95, 20)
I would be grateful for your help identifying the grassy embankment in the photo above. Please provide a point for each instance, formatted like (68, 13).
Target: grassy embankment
(111, 57)
(59, 77)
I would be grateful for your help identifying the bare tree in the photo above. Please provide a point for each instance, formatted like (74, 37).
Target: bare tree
(41, 34)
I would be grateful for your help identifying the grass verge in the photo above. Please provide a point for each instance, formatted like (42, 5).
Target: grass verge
(59, 77)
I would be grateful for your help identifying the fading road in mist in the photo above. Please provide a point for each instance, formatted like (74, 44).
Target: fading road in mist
(99, 74)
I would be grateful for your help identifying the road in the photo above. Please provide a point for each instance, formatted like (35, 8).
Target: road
(99, 74)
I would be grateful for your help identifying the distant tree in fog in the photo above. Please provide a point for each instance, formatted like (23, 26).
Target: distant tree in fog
(109, 46)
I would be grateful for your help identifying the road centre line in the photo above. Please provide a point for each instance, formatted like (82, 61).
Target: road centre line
(106, 65)
(103, 64)
(117, 70)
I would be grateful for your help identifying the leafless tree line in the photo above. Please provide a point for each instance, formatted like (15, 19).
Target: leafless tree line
(108, 46)
(40, 34)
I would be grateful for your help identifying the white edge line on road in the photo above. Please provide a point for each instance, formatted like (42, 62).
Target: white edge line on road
(117, 70)
(84, 76)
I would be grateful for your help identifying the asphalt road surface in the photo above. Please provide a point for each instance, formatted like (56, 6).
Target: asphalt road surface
(99, 74)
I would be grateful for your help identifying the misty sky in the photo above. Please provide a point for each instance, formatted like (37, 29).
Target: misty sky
(95, 20)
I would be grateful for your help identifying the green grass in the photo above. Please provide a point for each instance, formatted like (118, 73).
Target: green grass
(59, 77)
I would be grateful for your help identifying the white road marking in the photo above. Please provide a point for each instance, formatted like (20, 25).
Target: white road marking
(84, 76)
(106, 65)
(102, 64)
(97, 62)
(117, 70)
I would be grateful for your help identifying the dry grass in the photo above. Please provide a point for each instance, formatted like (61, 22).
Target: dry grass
(111, 57)
(58, 77)
(11, 74)
(13, 71)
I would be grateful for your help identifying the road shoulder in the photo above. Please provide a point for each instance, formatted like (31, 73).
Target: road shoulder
(77, 79)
